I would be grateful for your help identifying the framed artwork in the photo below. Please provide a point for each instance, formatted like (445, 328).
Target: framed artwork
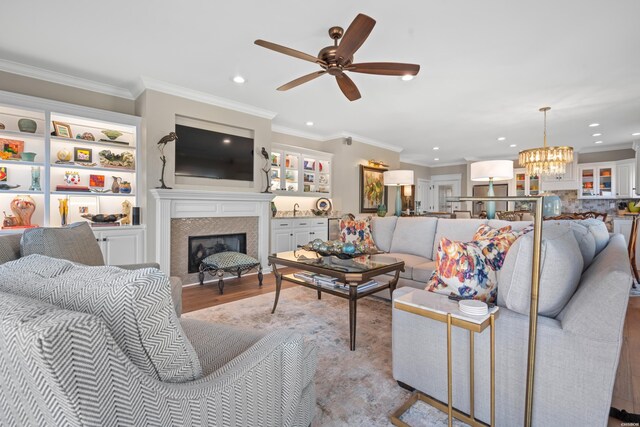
(13, 147)
(372, 189)
(3, 174)
(96, 181)
(82, 154)
(62, 130)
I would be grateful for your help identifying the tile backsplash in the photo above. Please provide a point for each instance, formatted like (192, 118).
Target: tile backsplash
(571, 203)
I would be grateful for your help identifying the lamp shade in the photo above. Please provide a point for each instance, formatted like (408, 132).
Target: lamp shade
(398, 177)
(498, 170)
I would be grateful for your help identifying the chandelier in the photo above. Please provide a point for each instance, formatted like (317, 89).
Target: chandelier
(546, 160)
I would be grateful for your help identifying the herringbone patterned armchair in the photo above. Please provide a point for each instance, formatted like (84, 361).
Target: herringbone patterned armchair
(102, 346)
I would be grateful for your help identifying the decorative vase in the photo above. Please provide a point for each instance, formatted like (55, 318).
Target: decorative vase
(274, 209)
(63, 208)
(551, 205)
(35, 179)
(23, 208)
(382, 210)
(64, 155)
(27, 157)
(27, 125)
(115, 186)
(125, 187)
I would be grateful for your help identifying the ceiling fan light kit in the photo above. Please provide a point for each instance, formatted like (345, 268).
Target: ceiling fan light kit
(336, 60)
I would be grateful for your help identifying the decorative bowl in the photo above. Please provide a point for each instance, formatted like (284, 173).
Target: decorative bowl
(27, 125)
(112, 134)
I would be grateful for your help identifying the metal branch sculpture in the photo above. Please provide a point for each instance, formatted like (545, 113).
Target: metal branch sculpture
(161, 144)
(266, 169)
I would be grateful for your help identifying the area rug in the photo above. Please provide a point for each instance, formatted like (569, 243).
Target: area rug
(354, 388)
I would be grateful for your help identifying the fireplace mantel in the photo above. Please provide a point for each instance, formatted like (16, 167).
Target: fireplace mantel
(186, 203)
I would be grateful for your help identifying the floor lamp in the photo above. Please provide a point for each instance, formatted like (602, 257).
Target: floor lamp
(397, 179)
(490, 170)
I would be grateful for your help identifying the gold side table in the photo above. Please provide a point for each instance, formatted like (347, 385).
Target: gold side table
(439, 307)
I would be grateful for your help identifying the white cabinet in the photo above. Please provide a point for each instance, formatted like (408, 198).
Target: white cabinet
(625, 178)
(122, 246)
(297, 171)
(565, 181)
(287, 234)
(597, 180)
(623, 226)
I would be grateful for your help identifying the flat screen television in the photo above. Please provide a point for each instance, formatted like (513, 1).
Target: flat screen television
(208, 154)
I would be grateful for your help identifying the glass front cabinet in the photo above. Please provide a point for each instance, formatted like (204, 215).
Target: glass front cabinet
(525, 185)
(597, 180)
(300, 172)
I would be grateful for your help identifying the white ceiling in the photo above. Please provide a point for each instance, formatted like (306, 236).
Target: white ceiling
(487, 66)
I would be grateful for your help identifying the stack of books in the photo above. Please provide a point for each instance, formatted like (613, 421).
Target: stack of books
(331, 282)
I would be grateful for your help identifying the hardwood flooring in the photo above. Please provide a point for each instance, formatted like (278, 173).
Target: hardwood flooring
(626, 392)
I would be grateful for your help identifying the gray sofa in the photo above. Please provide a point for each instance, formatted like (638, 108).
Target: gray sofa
(584, 294)
(95, 346)
(415, 241)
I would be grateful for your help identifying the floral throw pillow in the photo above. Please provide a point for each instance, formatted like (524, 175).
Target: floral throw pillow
(470, 269)
(356, 231)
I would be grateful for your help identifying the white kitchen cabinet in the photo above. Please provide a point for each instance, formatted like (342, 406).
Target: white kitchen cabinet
(625, 178)
(597, 180)
(623, 226)
(122, 246)
(565, 181)
(289, 233)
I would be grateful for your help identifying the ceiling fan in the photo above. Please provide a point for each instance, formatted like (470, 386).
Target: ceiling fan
(337, 59)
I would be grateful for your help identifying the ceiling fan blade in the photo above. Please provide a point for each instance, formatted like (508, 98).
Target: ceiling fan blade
(355, 35)
(385, 68)
(348, 87)
(289, 51)
(300, 80)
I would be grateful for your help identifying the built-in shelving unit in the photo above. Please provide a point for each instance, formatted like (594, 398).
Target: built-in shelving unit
(101, 145)
(299, 172)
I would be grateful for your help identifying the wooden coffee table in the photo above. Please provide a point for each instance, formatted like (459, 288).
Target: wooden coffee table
(352, 272)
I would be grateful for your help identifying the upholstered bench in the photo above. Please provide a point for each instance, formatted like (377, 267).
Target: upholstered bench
(228, 262)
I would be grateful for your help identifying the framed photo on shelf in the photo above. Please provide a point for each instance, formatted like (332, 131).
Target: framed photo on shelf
(96, 181)
(83, 155)
(372, 189)
(62, 130)
(3, 174)
(13, 147)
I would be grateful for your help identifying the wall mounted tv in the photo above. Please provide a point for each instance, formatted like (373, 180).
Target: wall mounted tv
(208, 154)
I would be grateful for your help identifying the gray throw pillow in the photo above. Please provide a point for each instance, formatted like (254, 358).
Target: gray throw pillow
(560, 271)
(382, 231)
(135, 305)
(75, 242)
(599, 231)
(584, 237)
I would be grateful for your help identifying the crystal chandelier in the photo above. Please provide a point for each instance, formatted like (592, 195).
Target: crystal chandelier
(546, 160)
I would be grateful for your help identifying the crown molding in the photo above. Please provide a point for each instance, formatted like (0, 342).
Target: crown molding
(365, 140)
(299, 133)
(63, 79)
(148, 83)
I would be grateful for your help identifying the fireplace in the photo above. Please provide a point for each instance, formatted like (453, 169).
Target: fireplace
(201, 247)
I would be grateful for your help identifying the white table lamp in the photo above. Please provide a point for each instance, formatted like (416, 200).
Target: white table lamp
(491, 170)
(397, 179)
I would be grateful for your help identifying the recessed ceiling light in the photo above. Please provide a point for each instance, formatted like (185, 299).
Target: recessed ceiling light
(309, 123)
(598, 142)
(502, 138)
(238, 79)
(594, 125)
(407, 77)
(635, 134)
(597, 134)
(436, 148)
(512, 145)
(226, 141)
(436, 159)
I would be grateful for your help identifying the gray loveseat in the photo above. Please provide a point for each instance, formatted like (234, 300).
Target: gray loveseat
(584, 294)
(96, 346)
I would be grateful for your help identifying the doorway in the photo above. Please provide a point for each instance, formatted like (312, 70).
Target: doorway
(441, 190)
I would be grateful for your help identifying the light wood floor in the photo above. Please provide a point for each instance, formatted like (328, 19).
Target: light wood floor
(626, 393)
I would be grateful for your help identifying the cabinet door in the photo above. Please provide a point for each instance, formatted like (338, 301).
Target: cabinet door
(122, 247)
(301, 236)
(281, 240)
(320, 233)
(625, 180)
(588, 181)
(606, 181)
